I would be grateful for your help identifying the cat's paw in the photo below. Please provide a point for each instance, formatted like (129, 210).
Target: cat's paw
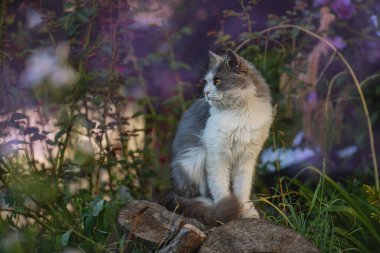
(249, 211)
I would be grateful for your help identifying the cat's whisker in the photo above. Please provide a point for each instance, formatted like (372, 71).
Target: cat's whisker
(192, 100)
(202, 67)
(199, 97)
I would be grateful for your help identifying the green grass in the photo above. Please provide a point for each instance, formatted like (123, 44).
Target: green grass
(332, 217)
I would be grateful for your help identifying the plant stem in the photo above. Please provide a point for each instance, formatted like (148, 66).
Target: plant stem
(3, 14)
(278, 168)
(247, 16)
(62, 152)
(178, 81)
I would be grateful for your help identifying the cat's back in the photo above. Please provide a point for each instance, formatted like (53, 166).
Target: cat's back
(191, 126)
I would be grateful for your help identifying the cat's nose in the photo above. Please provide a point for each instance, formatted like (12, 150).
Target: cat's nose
(206, 93)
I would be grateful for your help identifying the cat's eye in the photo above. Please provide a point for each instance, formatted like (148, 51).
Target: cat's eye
(217, 81)
(202, 82)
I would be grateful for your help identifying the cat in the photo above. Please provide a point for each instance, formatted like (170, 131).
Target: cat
(217, 143)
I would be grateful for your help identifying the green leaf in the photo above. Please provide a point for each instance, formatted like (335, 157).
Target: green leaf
(88, 225)
(294, 33)
(83, 121)
(65, 238)
(110, 215)
(231, 13)
(250, 36)
(67, 5)
(89, 11)
(315, 195)
(17, 116)
(82, 17)
(37, 137)
(51, 142)
(30, 130)
(286, 70)
(98, 208)
(59, 135)
(186, 30)
(10, 19)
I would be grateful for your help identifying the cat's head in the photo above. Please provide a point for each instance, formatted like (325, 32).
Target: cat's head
(231, 81)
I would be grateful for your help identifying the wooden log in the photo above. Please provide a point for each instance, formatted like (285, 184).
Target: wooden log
(154, 226)
(255, 235)
(157, 229)
(188, 239)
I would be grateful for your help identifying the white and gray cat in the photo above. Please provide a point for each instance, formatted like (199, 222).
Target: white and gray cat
(218, 141)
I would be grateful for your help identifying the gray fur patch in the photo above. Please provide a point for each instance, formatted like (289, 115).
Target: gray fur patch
(188, 136)
(227, 209)
(237, 73)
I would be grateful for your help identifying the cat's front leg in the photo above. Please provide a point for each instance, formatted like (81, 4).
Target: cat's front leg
(218, 176)
(242, 176)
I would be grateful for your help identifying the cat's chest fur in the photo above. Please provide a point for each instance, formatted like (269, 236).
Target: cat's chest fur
(235, 131)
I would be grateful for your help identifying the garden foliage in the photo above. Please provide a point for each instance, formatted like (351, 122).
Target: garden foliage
(82, 131)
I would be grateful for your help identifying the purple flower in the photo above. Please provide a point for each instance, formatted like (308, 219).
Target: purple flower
(312, 97)
(344, 9)
(338, 42)
(321, 2)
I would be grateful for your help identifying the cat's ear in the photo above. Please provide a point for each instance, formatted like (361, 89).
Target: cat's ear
(214, 58)
(235, 62)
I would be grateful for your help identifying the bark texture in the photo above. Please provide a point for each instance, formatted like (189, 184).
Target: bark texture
(157, 229)
(255, 235)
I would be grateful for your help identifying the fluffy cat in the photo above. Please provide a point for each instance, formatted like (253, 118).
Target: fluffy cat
(218, 141)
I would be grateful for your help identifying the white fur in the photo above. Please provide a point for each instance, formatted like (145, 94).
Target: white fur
(193, 162)
(233, 139)
(210, 87)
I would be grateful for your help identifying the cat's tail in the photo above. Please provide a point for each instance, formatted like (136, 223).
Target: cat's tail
(225, 210)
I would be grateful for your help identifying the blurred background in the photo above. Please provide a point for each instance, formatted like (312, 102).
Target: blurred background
(91, 93)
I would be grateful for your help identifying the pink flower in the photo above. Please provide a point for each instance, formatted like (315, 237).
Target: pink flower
(120, 69)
